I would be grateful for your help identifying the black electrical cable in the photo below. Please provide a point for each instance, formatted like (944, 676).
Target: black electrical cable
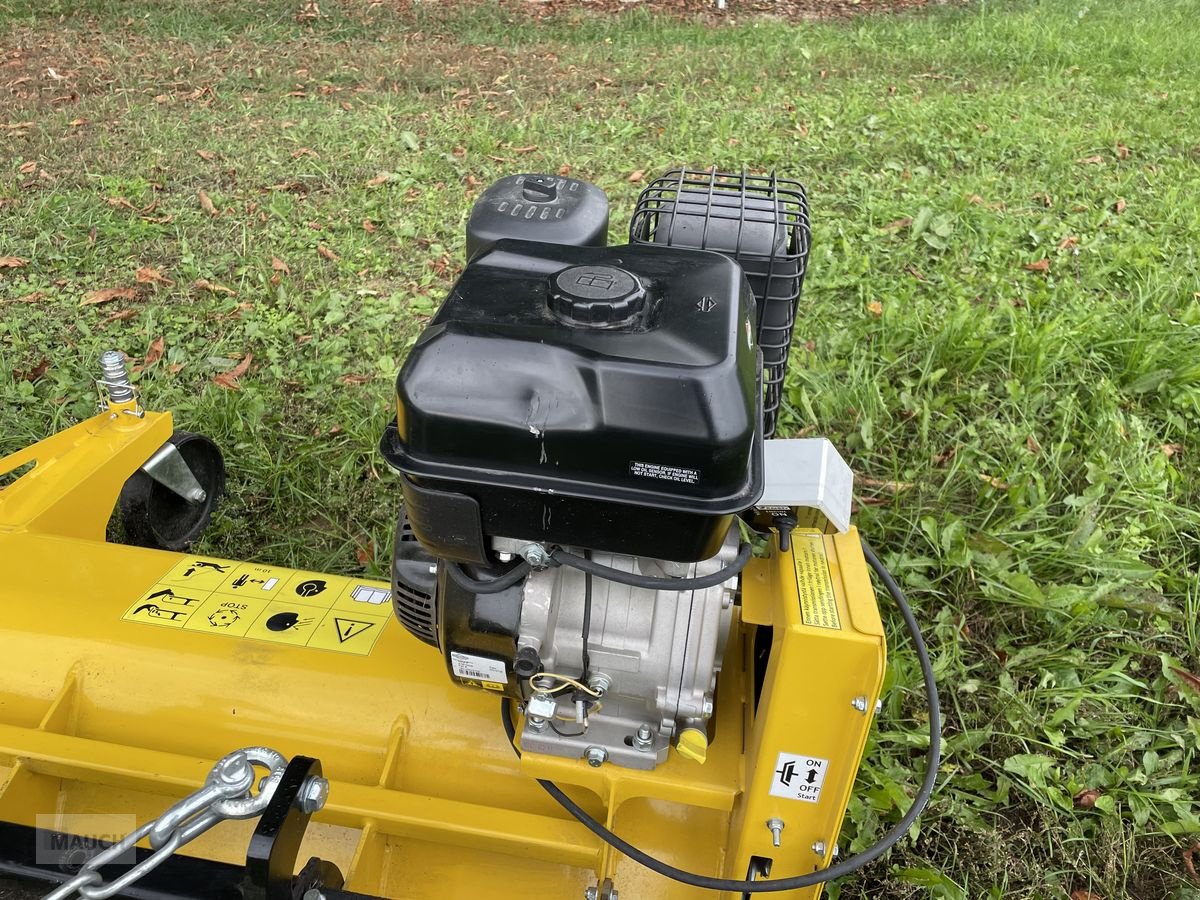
(490, 585)
(587, 622)
(837, 870)
(655, 583)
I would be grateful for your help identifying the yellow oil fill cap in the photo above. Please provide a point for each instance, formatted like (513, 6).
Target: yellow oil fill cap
(693, 743)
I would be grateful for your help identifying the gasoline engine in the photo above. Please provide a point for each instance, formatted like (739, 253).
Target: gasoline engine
(580, 437)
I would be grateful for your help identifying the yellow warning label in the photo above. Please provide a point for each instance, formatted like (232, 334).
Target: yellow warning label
(166, 604)
(267, 603)
(227, 615)
(818, 606)
(346, 632)
(200, 573)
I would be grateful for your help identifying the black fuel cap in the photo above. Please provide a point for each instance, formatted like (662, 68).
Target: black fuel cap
(596, 295)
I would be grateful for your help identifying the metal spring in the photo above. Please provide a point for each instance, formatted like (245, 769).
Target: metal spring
(115, 376)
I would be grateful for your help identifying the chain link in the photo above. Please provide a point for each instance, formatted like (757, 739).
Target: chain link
(227, 793)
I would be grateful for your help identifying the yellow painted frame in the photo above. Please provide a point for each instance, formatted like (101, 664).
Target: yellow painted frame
(427, 800)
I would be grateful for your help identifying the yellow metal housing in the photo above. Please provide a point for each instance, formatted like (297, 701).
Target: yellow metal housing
(104, 709)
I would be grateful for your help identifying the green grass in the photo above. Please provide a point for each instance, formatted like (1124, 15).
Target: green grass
(1042, 429)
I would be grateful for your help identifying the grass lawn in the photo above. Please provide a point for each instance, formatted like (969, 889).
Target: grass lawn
(1001, 326)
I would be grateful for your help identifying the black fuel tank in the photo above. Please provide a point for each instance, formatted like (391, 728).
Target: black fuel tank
(599, 397)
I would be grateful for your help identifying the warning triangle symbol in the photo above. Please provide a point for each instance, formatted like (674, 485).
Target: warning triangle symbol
(348, 628)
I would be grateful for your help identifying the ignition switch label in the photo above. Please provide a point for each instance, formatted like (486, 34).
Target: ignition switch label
(664, 473)
(799, 777)
(818, 606)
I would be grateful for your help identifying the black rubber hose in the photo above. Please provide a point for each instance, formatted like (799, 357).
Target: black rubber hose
(651, 582)
(837, 870)
(486, 586)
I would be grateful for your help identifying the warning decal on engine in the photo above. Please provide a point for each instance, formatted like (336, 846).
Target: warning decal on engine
(799, 777)
(266, 603)
(478, 668)
(818, 605)
(664, 473)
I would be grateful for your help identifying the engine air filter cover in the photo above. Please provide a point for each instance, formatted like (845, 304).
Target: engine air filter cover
(526, 414)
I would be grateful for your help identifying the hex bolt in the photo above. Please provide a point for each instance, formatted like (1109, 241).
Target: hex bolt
(313, 794)
(706, 708)
(596, 756)
(197, 495)
(644, 739)
(837, 851)
(859, 703)
(776, 826)
(114, 375)
(818, 848)
(599, 682)
(589, 893)
(313, 894)
(536, 555)
(536, 724)
(504, 556)
(878, 707)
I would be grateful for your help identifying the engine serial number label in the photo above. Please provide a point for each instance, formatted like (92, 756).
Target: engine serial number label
(478, 668)
(664, 473)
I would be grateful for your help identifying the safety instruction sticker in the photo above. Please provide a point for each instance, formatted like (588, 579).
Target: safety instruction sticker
(267, 603)
(799, 777)
(818, 606)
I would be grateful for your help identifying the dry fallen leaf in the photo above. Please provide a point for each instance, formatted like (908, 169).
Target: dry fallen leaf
(993, 481)
(875, 308)
(528, 149)
(229, 380)
(564, 170)
(1068, 242)
(378, 179)
(120, 203)
(280, 266)
(203, 284)
(206, 155)
(1042, 265)
(1032, 445)
(33, 297)
(1081, 894)
(149, 275)
(91, 298)
(1119, 206)
(364, 553)
(976, 199)
(1169, 450)
(354, 378)
(12, 262)
(119, 316)
(635, 177)
(155, 353)
(898, 224)
(34, 373)
(28, 168)
(326, 253)
(206, 204)
(369, 227)
(303, 151)
(1189, 861)
(1090, 160)
(1086, 799)
(1122, 151)
(1189, 680)
(76, 123)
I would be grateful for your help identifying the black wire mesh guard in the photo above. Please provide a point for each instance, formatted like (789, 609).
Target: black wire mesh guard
(761, 222)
